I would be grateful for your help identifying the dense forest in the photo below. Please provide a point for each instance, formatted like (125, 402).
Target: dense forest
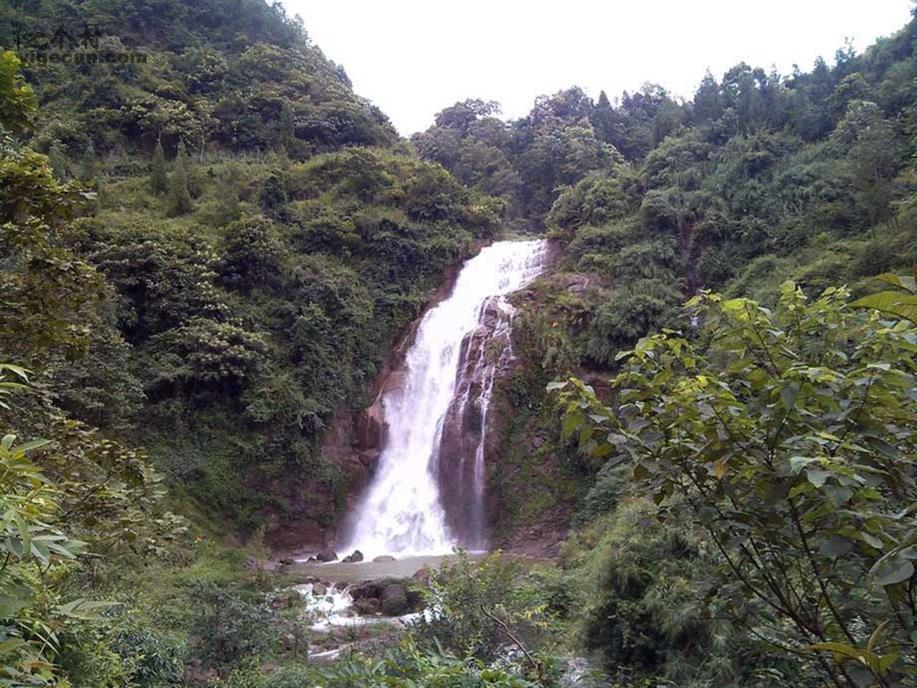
(211, 246)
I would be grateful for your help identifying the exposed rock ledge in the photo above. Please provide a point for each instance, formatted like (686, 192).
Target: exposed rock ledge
(352, 442)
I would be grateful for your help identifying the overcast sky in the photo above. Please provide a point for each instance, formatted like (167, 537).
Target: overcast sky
(412, 58)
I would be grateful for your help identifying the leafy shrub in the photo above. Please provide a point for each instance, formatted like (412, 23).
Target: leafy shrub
(473, 604)
(779, 431)
(627, 314)
(230, 626)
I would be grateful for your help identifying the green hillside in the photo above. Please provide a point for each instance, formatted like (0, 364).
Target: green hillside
(210, 246)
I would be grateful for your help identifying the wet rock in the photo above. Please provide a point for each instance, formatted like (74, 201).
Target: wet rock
(369, 457)
(367, 589)
(423, 576)
(367, 606)
(371, 427)
(287, 561)
(353, 558)
(285, 601)
(326, 555)
(319, 589)
(383, 558)
(394, 600)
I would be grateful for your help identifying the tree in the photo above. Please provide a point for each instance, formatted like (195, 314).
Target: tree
(787, 435)
(707, 102)
(179, 191)
(17, 101)
(159, 178)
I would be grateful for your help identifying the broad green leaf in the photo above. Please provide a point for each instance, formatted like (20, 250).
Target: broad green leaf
(817, 476)
(835, 546)
(901, 281)
(893, 571)
(896, 303)
(31, 446)
(13, 598)
(788, 396)
(86, 610)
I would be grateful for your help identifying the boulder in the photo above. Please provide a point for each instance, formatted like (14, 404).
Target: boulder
(383, 558)
(394, 600)
(422, 576)
(367, 606)
(353, 558)
(326, 555)
(318, 589)
(366, 589)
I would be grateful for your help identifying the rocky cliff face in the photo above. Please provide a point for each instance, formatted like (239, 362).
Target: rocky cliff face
(463, 458)
(517, 464)
(534, 481)
(313, 517)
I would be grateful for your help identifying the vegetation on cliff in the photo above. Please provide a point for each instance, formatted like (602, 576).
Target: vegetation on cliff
(208, 252)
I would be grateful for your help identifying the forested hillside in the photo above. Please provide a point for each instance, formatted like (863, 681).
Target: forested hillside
(254, 264)
(758, 179)
(211, 245)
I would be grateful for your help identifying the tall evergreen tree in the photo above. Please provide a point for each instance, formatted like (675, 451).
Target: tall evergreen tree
(179, 193)
(159, 178)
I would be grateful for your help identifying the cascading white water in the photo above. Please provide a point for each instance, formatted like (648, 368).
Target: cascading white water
(401, 512)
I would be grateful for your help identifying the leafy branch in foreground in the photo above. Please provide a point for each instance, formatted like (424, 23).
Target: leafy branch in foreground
(900, 302)
(789, 436)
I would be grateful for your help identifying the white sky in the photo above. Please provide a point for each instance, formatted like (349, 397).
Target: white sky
(412, 58)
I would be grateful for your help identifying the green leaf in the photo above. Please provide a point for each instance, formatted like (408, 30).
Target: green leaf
(896, 303)
(31, 446)
(797, 463)
(13, 598)
(841, 649)
(85, 610)
(817, 476)
(788, 396)
(894, 571)
(835, 546)
(901, 281)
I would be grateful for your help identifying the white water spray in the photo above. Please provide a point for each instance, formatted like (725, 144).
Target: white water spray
(401, 512)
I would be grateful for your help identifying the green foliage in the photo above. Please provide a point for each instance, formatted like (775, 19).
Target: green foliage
(645, 602)
(17, 101)
(179, 192)
(404, 667)
(476, 608)
(117, 652)
(901, 303)
(159, 177)
(627, 314)
(254, 253)
(28, 621)
(229, 627)
(781, 433)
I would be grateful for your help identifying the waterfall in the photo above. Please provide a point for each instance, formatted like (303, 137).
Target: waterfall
(448, 374)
